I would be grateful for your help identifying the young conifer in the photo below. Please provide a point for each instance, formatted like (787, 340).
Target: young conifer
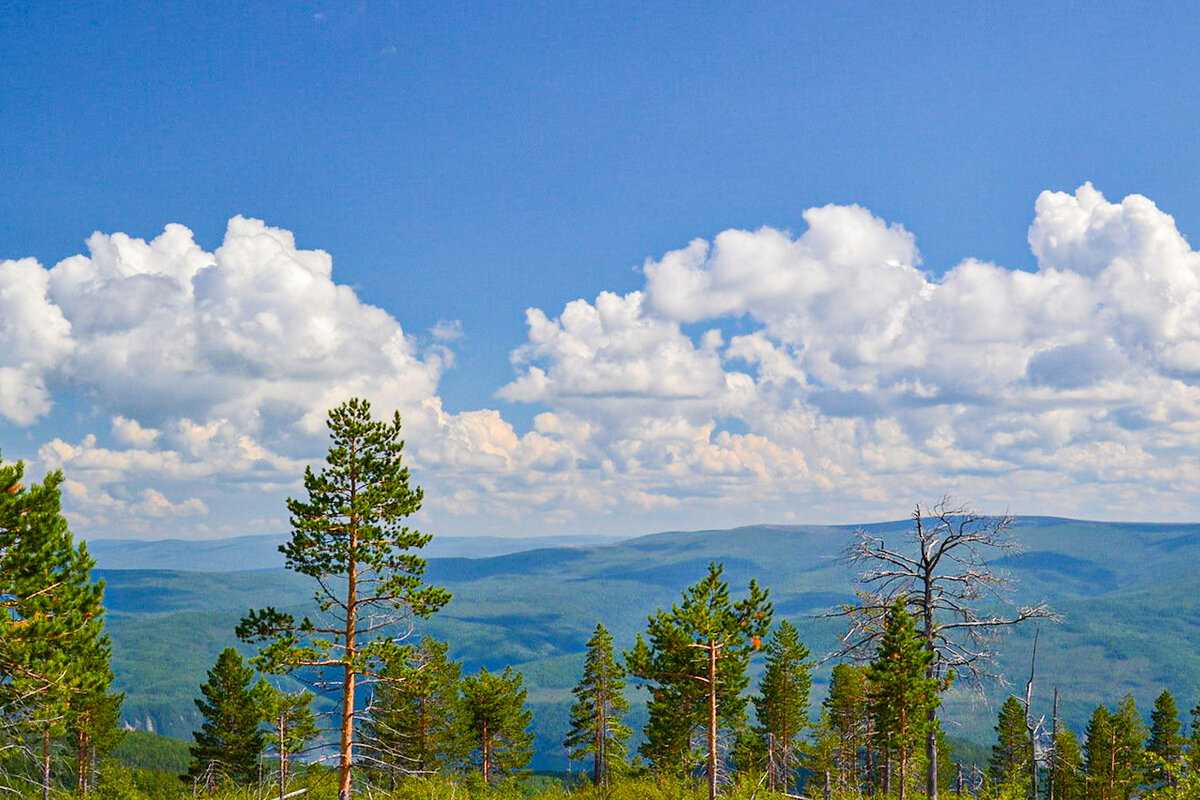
(291, 726)
(1166, 741)
(782, 704)
(898, 691)
(415, 724)
(499, 722)
(696, 661)
(596, 727)
(1012, 751)
(229, 742)
(849, 726)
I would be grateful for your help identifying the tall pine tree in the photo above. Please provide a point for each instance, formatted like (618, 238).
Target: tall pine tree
(350, 537)
(696, 661)
(596, 726)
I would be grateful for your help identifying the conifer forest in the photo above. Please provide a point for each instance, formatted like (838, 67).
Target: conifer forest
(351, 697)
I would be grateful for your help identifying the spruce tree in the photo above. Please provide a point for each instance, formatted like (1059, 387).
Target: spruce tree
(291, 726)
(1128, 746)
(898, 691)
(1193, 742)
(845, 712)
(1012, 752)
(498, 722)
(782, 704)
(229, 742)
(1100, 754)
(1067, 775)
(696, 661)
(415, 722)
(1166, 741)
(596, 727)
(349, 536)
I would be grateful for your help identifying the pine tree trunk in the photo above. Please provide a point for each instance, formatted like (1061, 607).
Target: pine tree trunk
(598, 747)
(283, 755)
(712, 720)
(83, 756)
(346, 762)
(46, 762)
(486, 752)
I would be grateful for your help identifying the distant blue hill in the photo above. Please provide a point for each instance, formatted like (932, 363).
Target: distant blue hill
(245, 553)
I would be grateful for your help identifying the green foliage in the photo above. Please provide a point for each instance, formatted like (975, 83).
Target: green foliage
(117, 783)
(141, 750)
(782, 704)
(54, 654)
(415, 720)
(350, 537)
(1114, 751)
(93, 729)
(499, 723)
(696, 657)
(898, 692)
(1013, 751)
(1166, 741)
(843, 735)
(1067, 778)
(596, 726)
(229, 742)
(291, 726)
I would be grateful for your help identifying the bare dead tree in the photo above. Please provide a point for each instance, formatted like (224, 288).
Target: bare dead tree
(1035, 727)
(942, 574)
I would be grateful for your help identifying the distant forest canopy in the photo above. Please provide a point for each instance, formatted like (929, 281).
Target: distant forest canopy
(726, 677)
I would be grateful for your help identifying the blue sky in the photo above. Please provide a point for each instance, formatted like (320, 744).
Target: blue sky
(464, 163)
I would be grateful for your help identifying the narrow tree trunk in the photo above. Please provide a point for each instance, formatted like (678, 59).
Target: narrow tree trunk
(346, 745)
(83, 756)
(486, 752)
(283, 754)
(712, 720)
(931, 753)
(46, 762)
(1053, 778)
(598, 746)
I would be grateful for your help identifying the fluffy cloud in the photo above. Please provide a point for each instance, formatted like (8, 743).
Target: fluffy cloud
(863, 378)
(763, 375)
(36, 341)
(257, 328)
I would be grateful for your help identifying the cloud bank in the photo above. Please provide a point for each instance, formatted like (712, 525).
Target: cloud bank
(761, 376)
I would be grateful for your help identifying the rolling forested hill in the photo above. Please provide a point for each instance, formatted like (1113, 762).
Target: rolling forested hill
(1127, 591)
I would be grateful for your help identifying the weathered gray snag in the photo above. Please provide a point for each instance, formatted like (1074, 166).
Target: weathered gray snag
(944, 578)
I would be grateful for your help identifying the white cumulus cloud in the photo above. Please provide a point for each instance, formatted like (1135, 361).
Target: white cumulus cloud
(765, 375)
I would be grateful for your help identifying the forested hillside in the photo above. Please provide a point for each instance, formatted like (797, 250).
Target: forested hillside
(1131, 621)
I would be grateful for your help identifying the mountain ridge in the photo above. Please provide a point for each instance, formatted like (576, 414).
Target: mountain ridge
(1132, 617)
